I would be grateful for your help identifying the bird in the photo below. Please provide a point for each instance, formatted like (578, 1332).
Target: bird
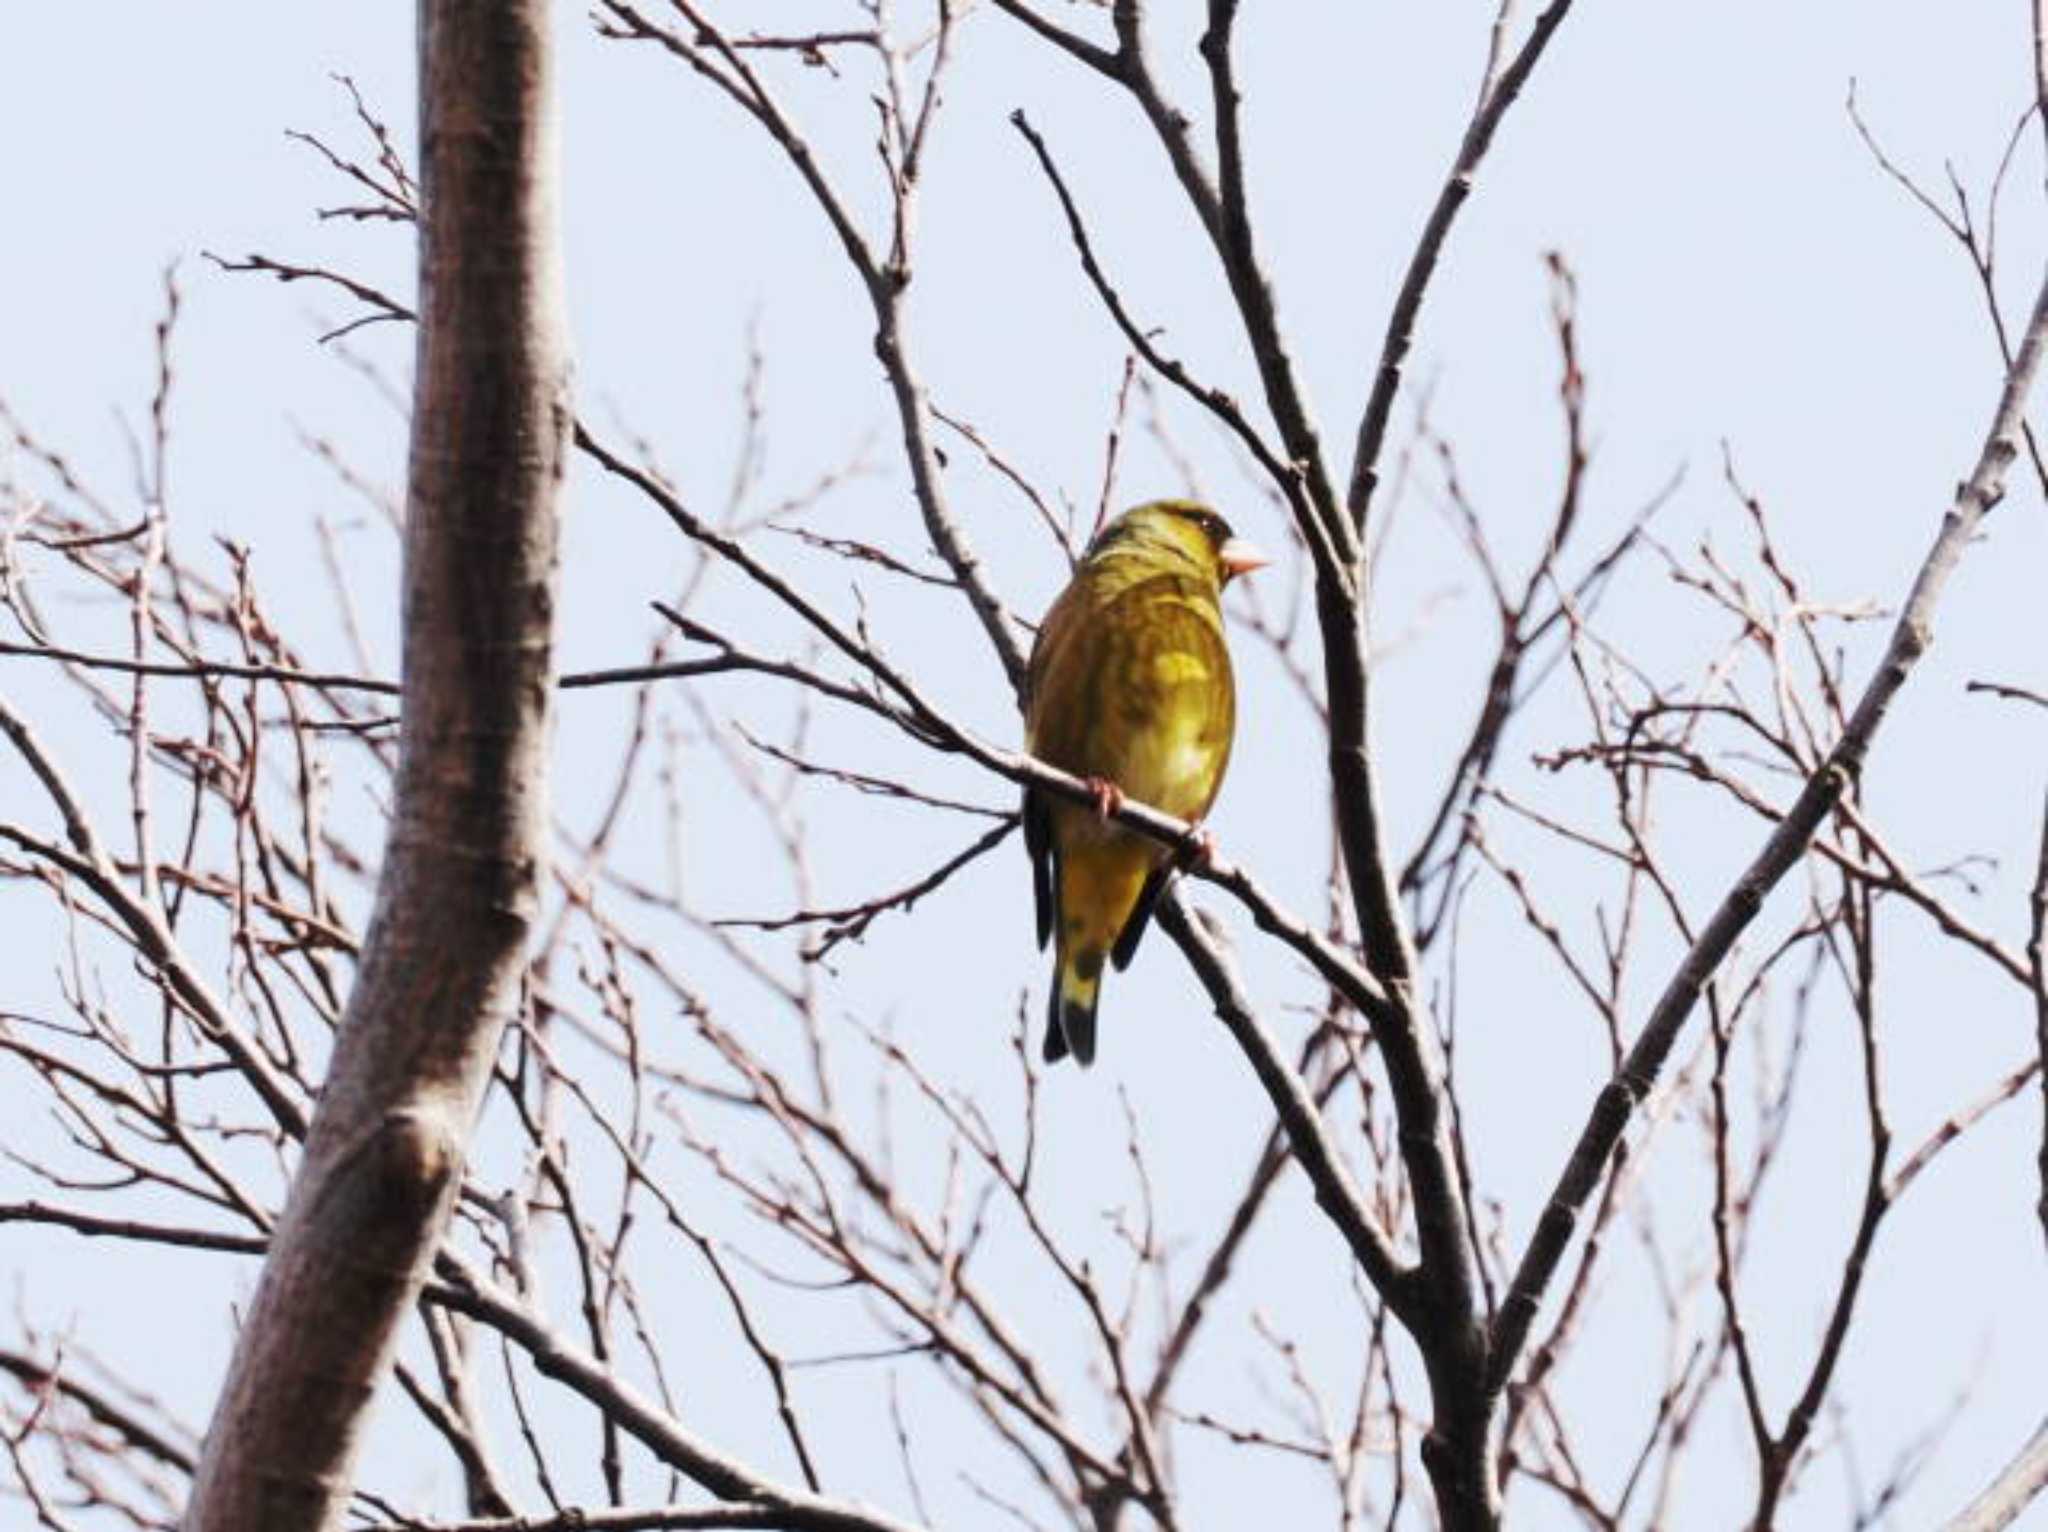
(1129, 687)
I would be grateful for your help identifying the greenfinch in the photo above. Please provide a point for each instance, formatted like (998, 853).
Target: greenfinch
(1129, 688)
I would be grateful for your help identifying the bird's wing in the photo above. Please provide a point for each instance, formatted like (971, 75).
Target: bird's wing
(1162, 703)
(1050, 691)
(1140, 917)
(1038, 841)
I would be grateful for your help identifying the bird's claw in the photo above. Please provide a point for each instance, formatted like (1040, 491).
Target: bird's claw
(1197, 849)
(1105, 795)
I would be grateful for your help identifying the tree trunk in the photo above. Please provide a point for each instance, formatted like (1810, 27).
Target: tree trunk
(441, 966)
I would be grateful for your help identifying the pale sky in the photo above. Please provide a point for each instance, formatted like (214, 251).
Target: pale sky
(1746, 275)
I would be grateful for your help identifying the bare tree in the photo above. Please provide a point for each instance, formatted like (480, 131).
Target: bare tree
(459, 884)
(843, 1206)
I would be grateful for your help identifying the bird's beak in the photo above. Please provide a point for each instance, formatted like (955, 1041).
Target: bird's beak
(1239, 557)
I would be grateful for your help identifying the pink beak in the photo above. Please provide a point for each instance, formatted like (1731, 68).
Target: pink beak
(1239, 557)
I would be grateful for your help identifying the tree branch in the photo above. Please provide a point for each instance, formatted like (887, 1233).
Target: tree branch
(1828, 783)
(1400, 337)
(2015, 1488)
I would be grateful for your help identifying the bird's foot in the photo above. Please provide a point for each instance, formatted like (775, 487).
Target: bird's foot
(1197, 849)
(1105, 795)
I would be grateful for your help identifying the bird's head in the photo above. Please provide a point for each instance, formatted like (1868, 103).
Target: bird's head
(1181, 530)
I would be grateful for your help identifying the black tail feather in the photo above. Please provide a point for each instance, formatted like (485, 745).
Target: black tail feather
(1055, 1036)
(1077, 1023)
(1069, 1025)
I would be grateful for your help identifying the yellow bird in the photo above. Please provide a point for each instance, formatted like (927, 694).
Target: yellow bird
(1130, 688)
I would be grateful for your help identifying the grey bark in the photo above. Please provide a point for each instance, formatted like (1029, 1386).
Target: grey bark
(441, 968)
(2011, 1492)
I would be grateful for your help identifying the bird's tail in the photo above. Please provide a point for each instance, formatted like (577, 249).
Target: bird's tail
(1070, 1012)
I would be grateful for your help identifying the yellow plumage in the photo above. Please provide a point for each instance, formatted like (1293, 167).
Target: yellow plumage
(1130, 687)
